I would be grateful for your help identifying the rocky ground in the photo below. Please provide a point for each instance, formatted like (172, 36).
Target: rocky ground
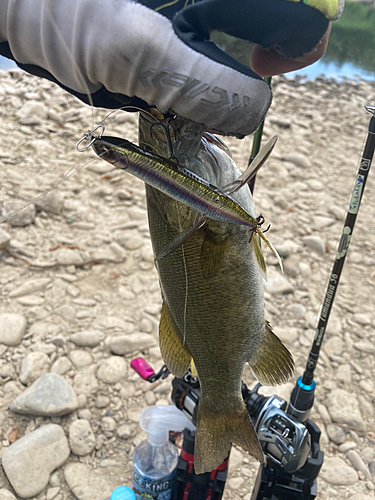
(79, 295)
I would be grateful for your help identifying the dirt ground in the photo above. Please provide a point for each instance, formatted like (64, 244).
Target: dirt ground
(79, 261)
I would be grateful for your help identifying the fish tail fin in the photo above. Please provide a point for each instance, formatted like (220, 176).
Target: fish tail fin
(272, 364)
(216, 432)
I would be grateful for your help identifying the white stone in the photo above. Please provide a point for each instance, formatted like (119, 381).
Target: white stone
(4, 242)
(287, 334)
(29, 461)
(81, 437)
(336, 471)
(358, 463)
(344, 408)
(298, 159)
(6, 495)
(12, 328)
(126, 344)
(87, 483)
(333, 345)
(365, 346)
(85, 383)
(18, 213)
(87, 338)
(33, 366)
(79, 357)
(277, 283)
(112, 370)
(315, 243)
(61, 365)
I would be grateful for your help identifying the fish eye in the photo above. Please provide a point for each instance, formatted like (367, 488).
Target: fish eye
(217, 199)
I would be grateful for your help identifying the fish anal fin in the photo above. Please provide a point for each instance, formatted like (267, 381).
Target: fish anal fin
(213, 252)
(272, 364)
(215, 433)
(175, 355)
(256, 244)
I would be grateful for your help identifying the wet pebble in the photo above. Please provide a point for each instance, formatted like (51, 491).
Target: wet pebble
(29, 462)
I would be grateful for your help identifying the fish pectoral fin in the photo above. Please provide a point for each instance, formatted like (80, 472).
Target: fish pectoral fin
(252, 169)
(182, 237)
(256, 244)
(272, 364)
(175, 355)
(213, 252)
(271, 247)
(215, 433)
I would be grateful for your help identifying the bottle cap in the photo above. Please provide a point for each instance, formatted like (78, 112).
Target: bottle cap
(122, 493)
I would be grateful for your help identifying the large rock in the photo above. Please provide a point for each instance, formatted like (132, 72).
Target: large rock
(49, 396)
(29, 461)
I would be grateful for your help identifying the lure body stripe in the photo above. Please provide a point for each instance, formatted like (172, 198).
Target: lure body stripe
(176, 182)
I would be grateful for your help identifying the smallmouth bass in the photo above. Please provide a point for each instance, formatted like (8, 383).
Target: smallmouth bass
(213, 305)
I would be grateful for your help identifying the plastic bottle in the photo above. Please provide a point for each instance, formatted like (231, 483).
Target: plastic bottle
(155, 459)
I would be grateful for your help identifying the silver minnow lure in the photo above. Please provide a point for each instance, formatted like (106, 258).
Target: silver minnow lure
(171, 179)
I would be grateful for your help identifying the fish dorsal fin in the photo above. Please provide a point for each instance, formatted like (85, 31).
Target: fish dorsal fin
(252, 169)
(272, 364)
(256, 244)
(213, 252)
(271, 247)
(175, 355)
(182, 237)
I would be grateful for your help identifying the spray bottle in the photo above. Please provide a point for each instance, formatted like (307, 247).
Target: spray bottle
(155, 459)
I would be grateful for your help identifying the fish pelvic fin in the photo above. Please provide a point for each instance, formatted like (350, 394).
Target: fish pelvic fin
(216, 432)
(176, 356)
(272, 364)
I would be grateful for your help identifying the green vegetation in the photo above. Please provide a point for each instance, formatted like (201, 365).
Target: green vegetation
(352, 39)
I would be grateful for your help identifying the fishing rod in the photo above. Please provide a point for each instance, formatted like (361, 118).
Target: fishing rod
(302, 397)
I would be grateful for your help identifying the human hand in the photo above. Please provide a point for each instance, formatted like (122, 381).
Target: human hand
(150, 53)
